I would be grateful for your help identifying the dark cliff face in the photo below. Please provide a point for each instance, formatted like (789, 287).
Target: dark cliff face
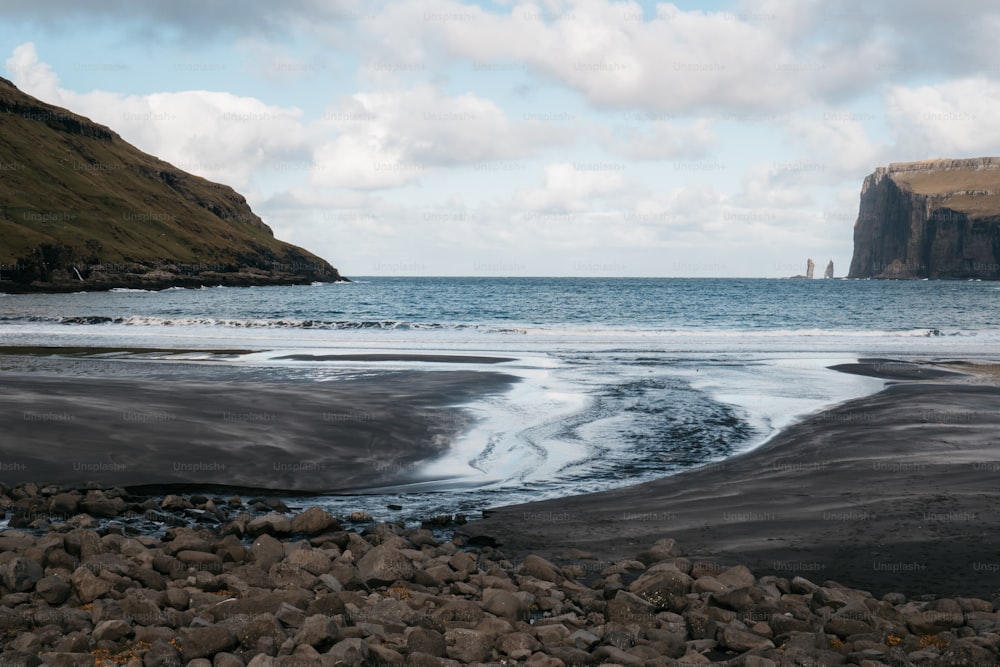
(81, 209)
(937, 219)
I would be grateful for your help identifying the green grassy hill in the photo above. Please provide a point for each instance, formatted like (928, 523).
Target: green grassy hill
(82, 209)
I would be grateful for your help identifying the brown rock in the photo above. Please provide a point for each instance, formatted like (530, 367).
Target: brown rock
(265, 552)
(312, 561)
(384, 565)
(112, 630)
(425, 640)
(539, 568)
(517, 645)
(271, 524)
(503, 604)
(88, 587)
(740, 640)
(628, 608)
(53, 589)
(318, 631)
(661, 550)
(21, 574)
(468, 645)
(659, 588)
(68, 659)
(314, 521)
(347, 652)
(206, 641)
(257, 626)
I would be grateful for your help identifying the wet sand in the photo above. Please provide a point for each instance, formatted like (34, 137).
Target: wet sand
(338, 436)
(899, 491)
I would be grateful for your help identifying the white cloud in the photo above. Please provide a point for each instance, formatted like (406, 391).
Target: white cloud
(388, 139)
(572, 187)
(220, 136)
(952, 119)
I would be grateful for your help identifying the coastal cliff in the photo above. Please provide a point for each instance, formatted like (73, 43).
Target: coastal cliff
(935, 219)
(81, 209)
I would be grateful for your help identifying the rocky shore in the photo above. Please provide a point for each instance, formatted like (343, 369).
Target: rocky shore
(87, 579)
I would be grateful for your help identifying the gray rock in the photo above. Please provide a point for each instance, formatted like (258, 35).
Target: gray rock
(318, 631)
(629, 608)
(585, 640)
(290, 616)
(257, 626)
(740, 640)
(424, 640)
(65, 504)
(206, 642)
(659, 588)
(53, 589)
(503, 604)
(467, 645)
(347, 652)
(265, 552)
(227, 660)
(112, 630)
(88, 587)
(21, 574)
(68, 659)
(517, 645)
(271, 523)
(95, 503)
(384, 565)
(310, 560)
(661, 550)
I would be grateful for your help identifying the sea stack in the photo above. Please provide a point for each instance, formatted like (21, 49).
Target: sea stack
(936, 219)
(829, 270)
(810, 268)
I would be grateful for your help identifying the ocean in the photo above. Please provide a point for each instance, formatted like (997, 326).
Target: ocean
(620, 381)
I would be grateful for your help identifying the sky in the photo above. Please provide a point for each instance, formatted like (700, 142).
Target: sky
(550, 138)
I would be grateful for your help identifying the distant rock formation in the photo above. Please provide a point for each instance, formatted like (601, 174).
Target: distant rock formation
(829, 270)
(81, 209)
(930, 219)
(810, 267)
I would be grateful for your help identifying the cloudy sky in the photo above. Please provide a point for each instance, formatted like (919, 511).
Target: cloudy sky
(555, 137)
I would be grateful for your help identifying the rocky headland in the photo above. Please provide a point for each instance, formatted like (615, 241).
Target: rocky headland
(937, 219)
(223, 582)
(81, 210)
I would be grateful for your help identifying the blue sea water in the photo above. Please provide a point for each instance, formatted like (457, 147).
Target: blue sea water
(622, 380)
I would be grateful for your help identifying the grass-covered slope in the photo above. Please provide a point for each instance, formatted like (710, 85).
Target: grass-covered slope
(80, 208)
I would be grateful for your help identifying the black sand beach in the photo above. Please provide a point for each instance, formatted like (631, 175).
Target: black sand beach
(348, 435)
(892, 492)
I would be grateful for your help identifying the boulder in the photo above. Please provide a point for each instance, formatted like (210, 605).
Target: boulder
(503, 604)
(112, 630)
(739, 640)
(265, 552)
(314, 521)
(88, 587)
(317, 631)
(205, 642)
(21, 574)
(658, 588)
(427, 641)
(661, 550)
(347, 652)
(384, 565)
(271, 524)
(467, 645)
(53, 589)
(539, 568)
